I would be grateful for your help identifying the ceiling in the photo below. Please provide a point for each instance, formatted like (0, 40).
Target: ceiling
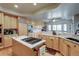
(41, 10)
(28, 8)
(64, 11)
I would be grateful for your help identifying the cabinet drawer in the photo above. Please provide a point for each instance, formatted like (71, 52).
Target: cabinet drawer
(7, 41)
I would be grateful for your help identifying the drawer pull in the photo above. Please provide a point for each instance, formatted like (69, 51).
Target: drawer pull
(68, 45)
(74, 45)
(51, 39)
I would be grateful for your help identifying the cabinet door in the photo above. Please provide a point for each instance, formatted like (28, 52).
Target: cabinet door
(75, 51)
(55, 43)
(6, 22)
(9, 22)
(49, 42)
(69, 48)
(63, 48)
(61, 45)
(43, 37)
(7, 41)
(22, 29)
(0, 18)
(13, 22)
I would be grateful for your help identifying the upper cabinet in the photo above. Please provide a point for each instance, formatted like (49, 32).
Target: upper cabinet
(1, 18)
(22, 26)
(10, 22)
(14, 22)
(6, 21)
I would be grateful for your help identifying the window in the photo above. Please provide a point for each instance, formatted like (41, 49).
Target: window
(59, 27)
(54, 27)
(65, 27)
(49, 27)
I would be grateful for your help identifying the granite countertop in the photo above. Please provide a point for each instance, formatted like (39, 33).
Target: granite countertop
(18, 39)
(65, 36)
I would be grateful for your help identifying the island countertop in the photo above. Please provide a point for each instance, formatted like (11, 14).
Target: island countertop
(19, 39)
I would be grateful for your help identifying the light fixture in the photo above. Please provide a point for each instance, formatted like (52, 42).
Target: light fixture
(54, 20)
(34, 4)
(16, 6)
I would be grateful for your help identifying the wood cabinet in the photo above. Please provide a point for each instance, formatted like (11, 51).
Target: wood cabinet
(10, 22)
(51, 42)
(13, 22)
(72, 48)
(22, 29)
(55, 43)
(7, 41)
(6, 22)
(21, 50)
(1, 18)
(69, 48)
(62, 46)
(76, 50)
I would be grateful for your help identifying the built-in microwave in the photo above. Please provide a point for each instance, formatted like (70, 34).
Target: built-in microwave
(0, 41)
(9, 31)
(0, 30)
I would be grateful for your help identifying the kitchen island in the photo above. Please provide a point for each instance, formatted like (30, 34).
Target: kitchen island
(22, 48)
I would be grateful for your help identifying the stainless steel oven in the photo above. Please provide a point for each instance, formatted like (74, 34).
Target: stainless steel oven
(0, 41)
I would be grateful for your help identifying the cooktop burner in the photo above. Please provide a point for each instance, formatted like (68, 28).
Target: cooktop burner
(31, 40)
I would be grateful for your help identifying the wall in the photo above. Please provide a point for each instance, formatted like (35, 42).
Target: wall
(69, 23)
(35, 23)
(22, 26)
(76, 22)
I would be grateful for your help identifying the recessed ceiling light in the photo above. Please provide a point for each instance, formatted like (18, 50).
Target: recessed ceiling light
(16, 6)
(34, 4)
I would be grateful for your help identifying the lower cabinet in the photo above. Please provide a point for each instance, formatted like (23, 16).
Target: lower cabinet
(68, 48)
(65, 47)
(56, 43)
(72, 49)
(7, 41)
(76, 50)
(61, 46)
(49, 42)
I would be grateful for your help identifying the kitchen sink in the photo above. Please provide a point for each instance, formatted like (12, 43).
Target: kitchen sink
(73, 39)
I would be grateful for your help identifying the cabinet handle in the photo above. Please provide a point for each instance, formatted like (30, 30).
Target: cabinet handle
(74, 45)
(68, 45)
(51, 39)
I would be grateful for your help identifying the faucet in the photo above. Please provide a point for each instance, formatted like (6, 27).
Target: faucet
(76, 32)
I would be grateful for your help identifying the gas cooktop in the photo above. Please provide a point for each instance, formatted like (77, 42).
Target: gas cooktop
(31, 40)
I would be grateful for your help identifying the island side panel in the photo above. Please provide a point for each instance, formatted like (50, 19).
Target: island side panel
(21, 50)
